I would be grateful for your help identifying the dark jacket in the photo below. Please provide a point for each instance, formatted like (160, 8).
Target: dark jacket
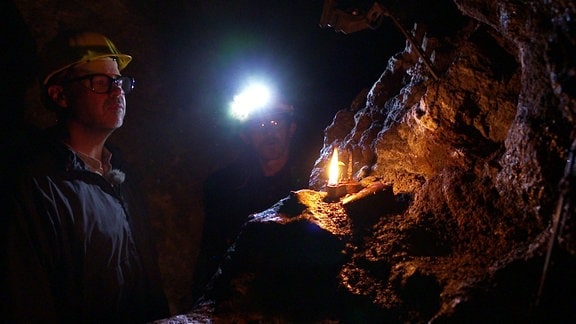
(75, 247)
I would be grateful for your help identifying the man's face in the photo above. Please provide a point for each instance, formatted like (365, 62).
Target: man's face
(96, 111)
(270, 137)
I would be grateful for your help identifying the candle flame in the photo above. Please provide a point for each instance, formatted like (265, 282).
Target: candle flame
(334, 170)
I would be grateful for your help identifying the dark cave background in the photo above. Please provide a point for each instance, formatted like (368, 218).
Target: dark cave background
(482, 150)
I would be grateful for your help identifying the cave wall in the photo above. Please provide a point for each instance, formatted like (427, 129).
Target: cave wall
(501, 112)
(491, 135)
(483, 149)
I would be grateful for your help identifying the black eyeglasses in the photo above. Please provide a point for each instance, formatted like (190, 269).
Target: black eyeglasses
(102, 83)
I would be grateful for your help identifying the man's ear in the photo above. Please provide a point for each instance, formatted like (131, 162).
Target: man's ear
(56, 93)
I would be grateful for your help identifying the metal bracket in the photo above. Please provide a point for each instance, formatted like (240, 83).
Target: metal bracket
(350, 22)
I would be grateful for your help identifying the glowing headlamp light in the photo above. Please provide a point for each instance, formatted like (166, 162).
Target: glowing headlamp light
(253, 99)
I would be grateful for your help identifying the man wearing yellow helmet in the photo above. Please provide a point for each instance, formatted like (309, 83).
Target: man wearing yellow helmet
(75, 242)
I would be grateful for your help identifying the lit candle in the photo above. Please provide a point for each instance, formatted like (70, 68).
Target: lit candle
(334, 169)
(334, 189)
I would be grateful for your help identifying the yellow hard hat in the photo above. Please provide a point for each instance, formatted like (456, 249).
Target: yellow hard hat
(72, 48)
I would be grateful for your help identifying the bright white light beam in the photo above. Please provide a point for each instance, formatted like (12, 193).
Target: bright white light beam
(253, 98)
